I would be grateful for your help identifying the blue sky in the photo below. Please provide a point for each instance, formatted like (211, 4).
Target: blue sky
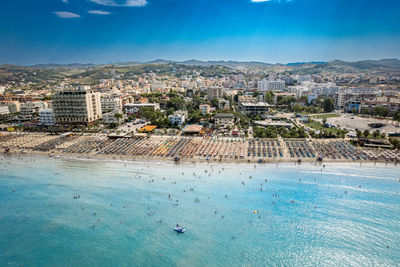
(102, 31)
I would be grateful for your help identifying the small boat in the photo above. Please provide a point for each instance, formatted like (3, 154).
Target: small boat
(58, 156)
(180, 229)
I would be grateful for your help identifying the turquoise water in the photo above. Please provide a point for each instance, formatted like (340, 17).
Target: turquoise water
(306, 215)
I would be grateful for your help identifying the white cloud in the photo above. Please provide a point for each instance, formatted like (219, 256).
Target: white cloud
(64, 1)
(120, 2)
(99, 12)
(66, 15)
(259, 1)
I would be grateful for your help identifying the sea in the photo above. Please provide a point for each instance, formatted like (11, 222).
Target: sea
(74, 212)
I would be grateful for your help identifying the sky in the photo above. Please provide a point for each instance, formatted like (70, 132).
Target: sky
(105, 31)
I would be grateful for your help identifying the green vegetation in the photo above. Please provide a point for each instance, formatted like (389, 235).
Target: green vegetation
(325, 116)
(329, 105)
(325, 132)
(366, 134)
(395, 142)
(273, 132)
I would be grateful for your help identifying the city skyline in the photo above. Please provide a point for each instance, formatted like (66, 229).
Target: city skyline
(274, 31)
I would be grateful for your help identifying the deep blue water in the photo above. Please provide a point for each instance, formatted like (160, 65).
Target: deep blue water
(306, 215)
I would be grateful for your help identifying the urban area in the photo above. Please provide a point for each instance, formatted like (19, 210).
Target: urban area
(335, 111)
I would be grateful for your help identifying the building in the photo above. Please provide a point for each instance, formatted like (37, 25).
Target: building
(205, 108)
(249, 105)
(13, 106)
(28, 109)
(77, 106)
(112, 118)
(4, 110)
(192, 129)
(137, 108)
(178, 118)
(339, 100)
(350, 99)
(2, 90)
(224, 119)
(303, 78)
(157, 87)
(266, 85)
(392, 104)
(214, 92)
(274, 123)
(109, 103)
(46, 117)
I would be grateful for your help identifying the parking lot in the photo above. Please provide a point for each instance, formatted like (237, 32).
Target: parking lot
(131, 127)
(351, 123)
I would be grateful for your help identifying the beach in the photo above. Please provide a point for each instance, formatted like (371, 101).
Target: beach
(194, 149)
(99, 212)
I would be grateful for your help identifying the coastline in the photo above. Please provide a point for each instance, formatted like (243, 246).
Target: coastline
(194, 160)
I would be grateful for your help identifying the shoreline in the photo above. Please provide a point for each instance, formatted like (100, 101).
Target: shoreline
(194, 160)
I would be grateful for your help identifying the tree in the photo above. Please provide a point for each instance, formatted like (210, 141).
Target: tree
(359, 134)
(396, 115)
(376, 133)
(118, 115)
(328, 105)
(380, 111)
(324, 121)
(269, 97)
(215, 102)
(366, 133)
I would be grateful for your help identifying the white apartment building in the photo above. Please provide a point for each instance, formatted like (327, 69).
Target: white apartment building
(4, 110)
(77, 106)
(178, 118)
(215, 92)
(303, 78)
(267, 85)
(13, 106)
(29, 108)
(2, 90)
(134, 108)
(46, 117)
(109, 103)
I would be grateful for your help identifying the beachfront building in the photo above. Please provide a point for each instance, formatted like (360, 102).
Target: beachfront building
(28, 109)
(249, 105)
(110, 103)
(178, 118)
(13, 106)
(77, 106)
(205, 109)
(137, 108)
(224, 119)
(214, 92)
(46, 117)
(112, 117)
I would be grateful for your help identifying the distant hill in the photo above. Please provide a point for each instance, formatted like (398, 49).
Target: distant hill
(91, 73)
(68, 66)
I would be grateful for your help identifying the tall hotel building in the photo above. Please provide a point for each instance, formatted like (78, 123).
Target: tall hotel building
(77, 106)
